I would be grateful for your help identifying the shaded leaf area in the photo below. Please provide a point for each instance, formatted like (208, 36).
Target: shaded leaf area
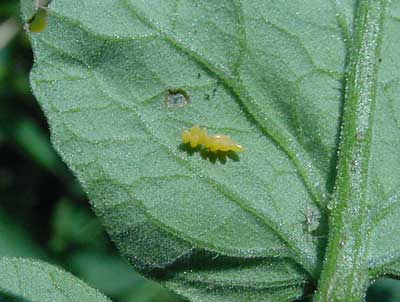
(270, 75)
(79, 239)
(6, 297)
(384, 290)
(14, 240)
(29, 280)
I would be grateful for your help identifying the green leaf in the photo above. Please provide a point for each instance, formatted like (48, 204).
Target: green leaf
(34, 142)
(120, 80)
(25, 280)
(387, 290)
(115, 277)
(105, 271)
(75, 226)
(77, 233)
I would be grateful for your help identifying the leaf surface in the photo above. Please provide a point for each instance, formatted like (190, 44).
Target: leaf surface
(25, 280)
(248, 227)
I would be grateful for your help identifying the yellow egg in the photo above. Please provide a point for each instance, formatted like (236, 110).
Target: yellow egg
(199, 136)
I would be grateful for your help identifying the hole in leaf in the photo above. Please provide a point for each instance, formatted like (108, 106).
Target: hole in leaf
(177, 98)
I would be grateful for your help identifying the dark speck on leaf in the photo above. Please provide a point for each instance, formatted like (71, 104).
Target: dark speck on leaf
(214, 91)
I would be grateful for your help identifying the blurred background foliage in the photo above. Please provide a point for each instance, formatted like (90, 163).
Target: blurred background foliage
(43, 212)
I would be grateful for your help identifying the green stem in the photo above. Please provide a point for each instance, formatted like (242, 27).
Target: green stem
(345, 273)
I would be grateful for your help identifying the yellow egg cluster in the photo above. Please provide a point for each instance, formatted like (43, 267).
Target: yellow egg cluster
(199, 136)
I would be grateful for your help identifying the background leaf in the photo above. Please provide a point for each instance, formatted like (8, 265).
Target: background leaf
(15, 240)
(28, 280)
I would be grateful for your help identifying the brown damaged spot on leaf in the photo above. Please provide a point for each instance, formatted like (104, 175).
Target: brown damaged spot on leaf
(176, 98)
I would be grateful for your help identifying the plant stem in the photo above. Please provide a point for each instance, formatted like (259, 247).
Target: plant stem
(345, 273)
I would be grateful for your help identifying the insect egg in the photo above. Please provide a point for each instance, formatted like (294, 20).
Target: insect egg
(199, 136)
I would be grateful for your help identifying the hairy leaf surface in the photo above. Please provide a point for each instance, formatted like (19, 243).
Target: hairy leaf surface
(25, 280)
(270, 74)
